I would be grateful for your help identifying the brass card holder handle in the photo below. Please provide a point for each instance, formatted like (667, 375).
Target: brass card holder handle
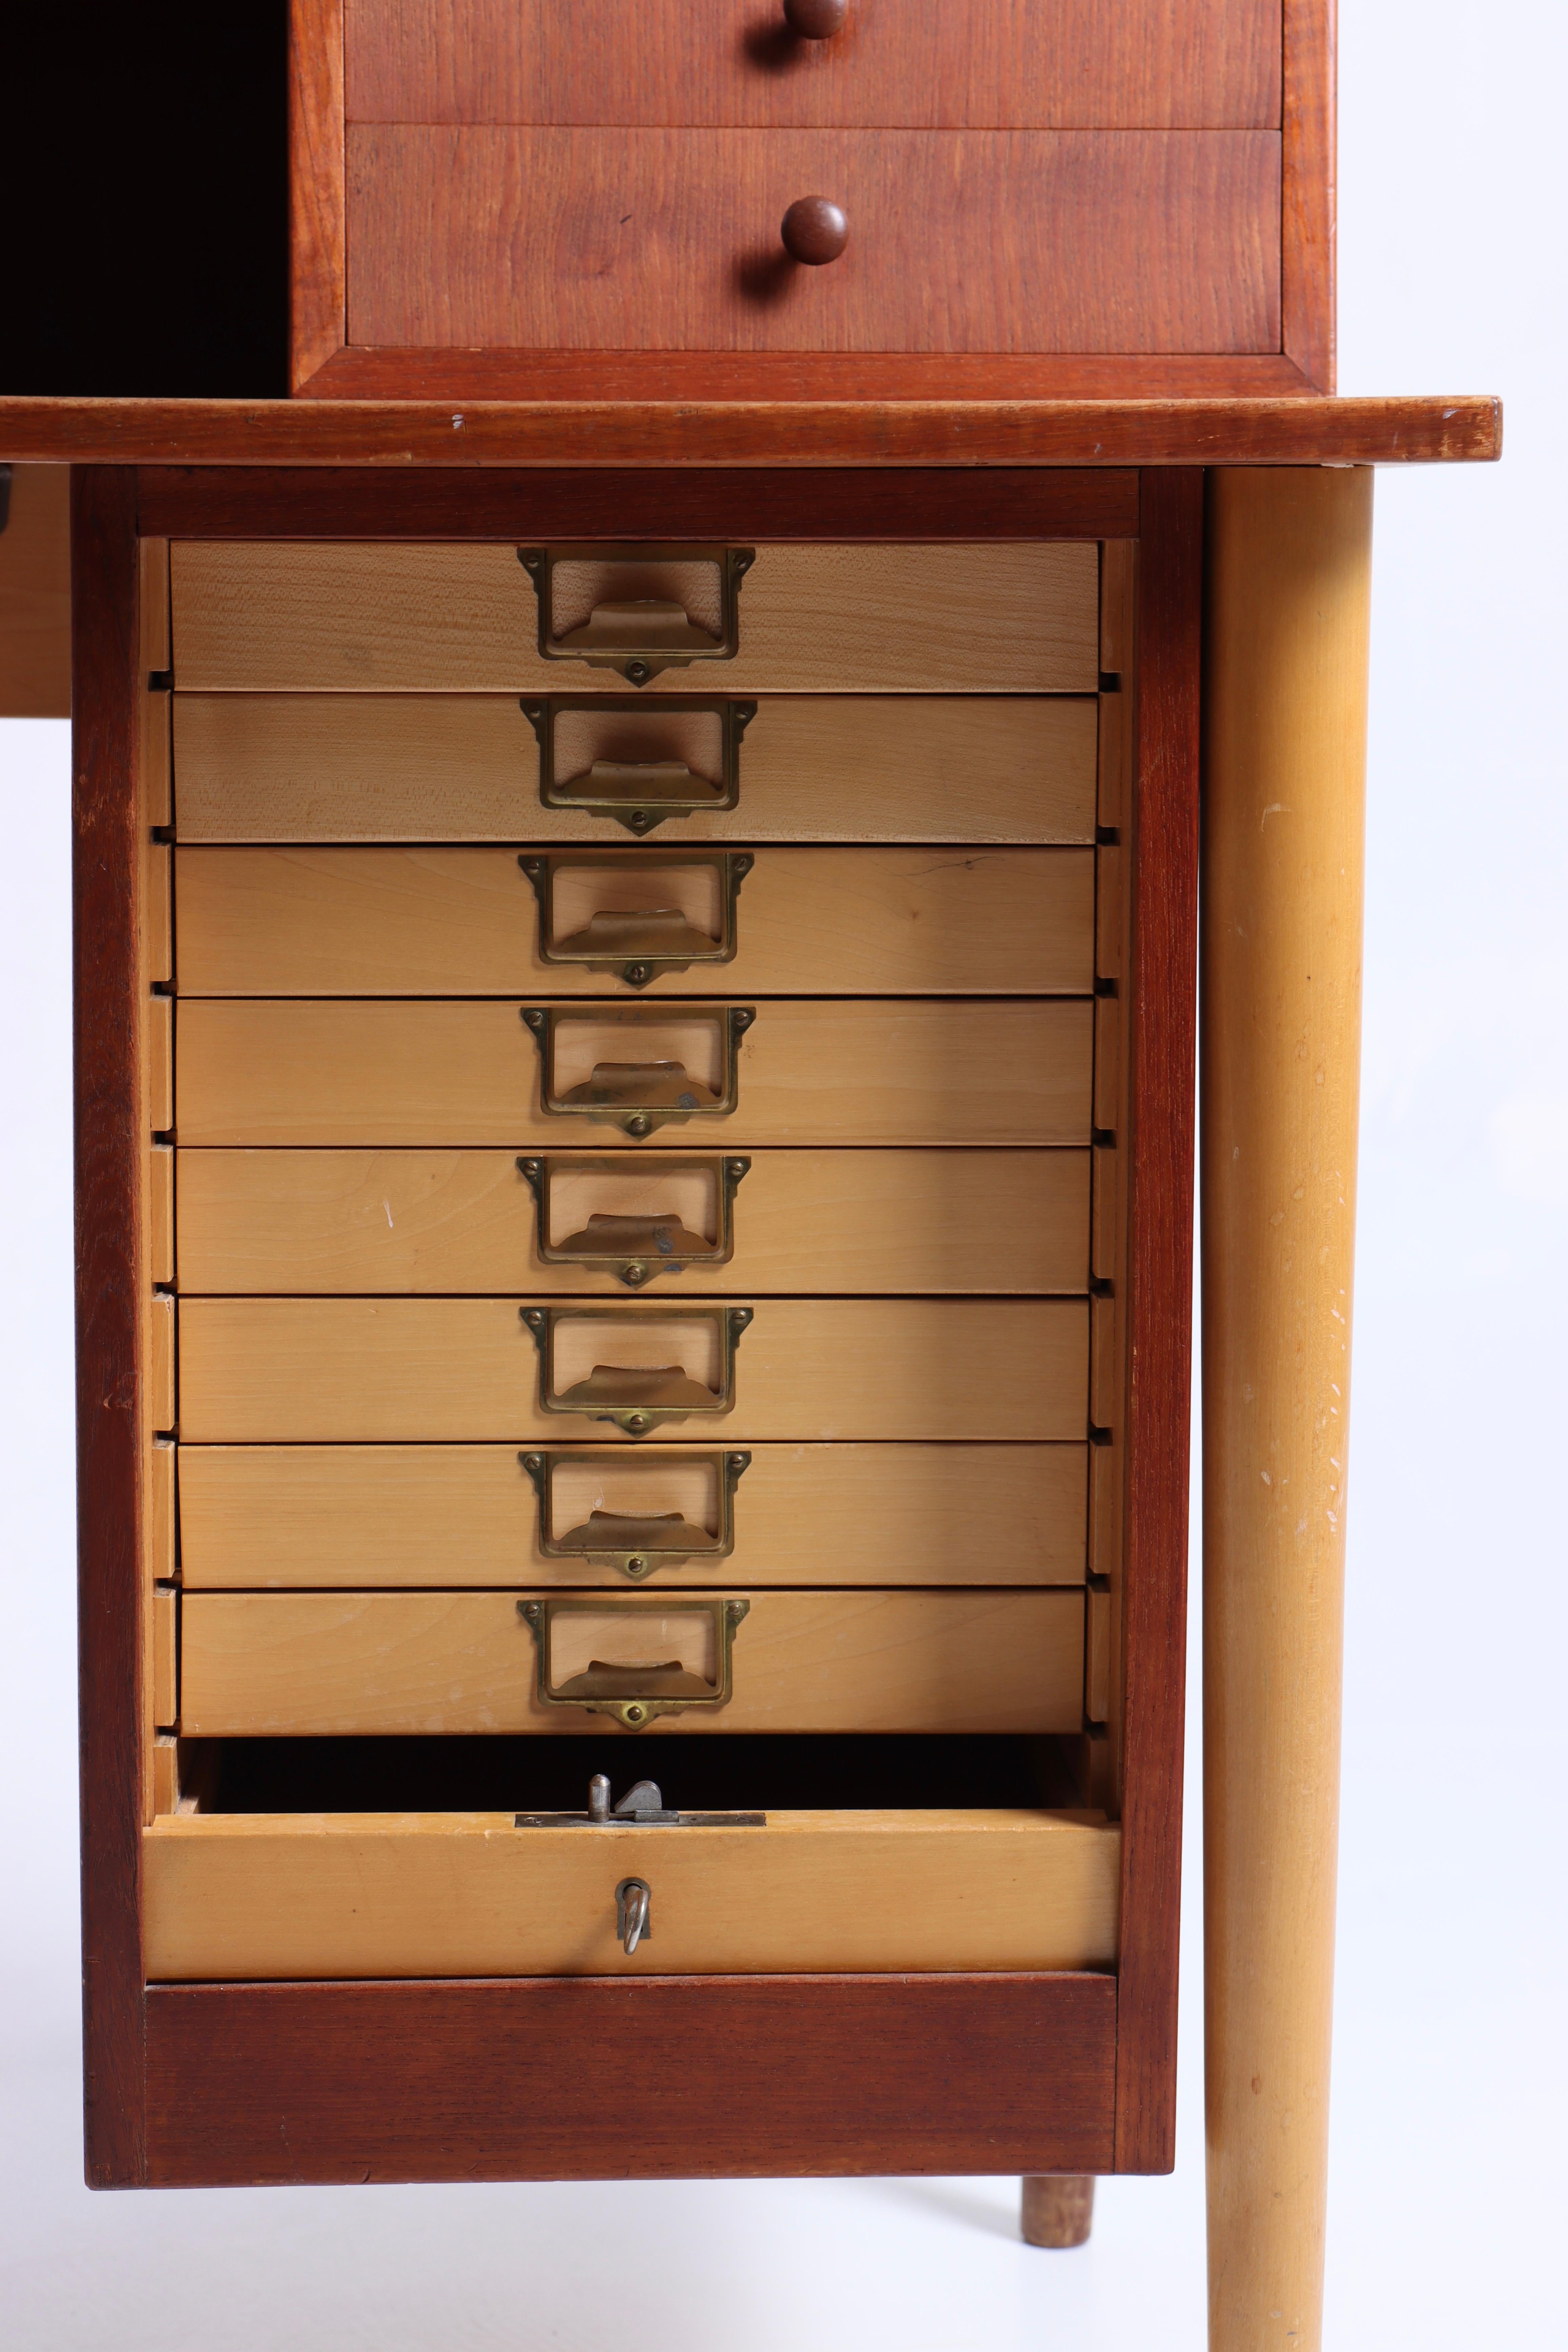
(637, 1545)
(638, 1097)
(637, 1398)
(640, 793)
(637, 944)
(635, 1695)
(641, 636)
(635, 1250)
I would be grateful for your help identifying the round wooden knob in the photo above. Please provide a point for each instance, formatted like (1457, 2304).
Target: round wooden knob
(815, 20)
(815, 231)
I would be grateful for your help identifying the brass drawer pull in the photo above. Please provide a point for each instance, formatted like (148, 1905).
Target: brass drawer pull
(636, 1543)
(637, 1398)
(635, 1691)
(628, 628)
(637, 942)
(637, 1249)
(635, 773)
(638, 1097)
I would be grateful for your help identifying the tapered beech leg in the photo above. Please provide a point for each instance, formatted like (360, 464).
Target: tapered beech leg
(1286, 652)
(1058, 2207)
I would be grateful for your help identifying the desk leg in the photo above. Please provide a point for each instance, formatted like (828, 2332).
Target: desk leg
(1059, 2209)
(1289, 557)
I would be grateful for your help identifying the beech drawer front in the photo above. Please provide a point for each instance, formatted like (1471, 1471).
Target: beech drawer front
(364, 767)
(264, 1371)
(1020, 617)
(973, 61)
(323, 1663)
(495, 923)
(871, 1072)
(668, 240)
(441, 1895)
(351, 1515)
(796, 1221)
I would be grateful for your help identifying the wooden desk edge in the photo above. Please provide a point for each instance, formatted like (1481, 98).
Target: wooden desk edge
(1298, 430)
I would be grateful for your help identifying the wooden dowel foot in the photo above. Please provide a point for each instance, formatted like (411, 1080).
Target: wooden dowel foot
(1058, 2207)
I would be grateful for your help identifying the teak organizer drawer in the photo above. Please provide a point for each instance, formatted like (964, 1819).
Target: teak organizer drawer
(848, 1221)
(312, 1664)
(267, 1370)
(489, 923)
(1006, 618)
(423, 767)
(468, 1895)
(253, 1517)
(868, 1071)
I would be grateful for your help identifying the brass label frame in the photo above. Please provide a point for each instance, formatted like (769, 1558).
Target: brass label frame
(642, 641)
(639, 959)
(640, 794)
(631, 1694)
(646, 1559)
(651, 1094)
(658, 1254)
(652, 1407)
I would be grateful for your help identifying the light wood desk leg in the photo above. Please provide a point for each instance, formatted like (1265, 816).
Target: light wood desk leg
(1059, 2209)
(1286, 658)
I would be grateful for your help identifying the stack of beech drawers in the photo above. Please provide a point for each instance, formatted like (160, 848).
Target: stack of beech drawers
(645, 1256)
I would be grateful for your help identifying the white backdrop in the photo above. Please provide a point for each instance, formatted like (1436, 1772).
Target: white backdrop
(1447, 2167)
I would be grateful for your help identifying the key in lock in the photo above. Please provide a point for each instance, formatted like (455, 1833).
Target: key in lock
(634, 1914)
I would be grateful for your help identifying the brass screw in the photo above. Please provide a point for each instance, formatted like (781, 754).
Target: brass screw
(638, 1126)
(637, 974)
(634, 1274)
(635, 1713)
(636, 1420)
(637, 1565)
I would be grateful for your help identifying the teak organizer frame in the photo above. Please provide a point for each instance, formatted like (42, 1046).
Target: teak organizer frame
(1034, 2073)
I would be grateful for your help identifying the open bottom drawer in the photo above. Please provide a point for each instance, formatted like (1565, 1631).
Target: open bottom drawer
(431, 1894)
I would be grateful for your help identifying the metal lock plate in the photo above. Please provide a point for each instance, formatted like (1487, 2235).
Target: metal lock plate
(635, 1249)
(638, 943)
(642, 782)
(636, 1695)
(637, 1545)
(636, 1399)
(638, 1096)
(632, 631)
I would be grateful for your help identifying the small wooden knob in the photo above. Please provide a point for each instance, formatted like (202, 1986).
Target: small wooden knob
(815, 20)
(815, 231)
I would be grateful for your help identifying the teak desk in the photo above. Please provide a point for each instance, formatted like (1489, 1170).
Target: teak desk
(327, 1937)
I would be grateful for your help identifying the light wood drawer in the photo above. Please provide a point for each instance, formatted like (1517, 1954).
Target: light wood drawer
(868, 1072)
(261, 1371)
(365, 767)
(434, 1895)
(1014, 617)
(792, 1221)
(599, 922)
(346, 1516)
(308, 1664)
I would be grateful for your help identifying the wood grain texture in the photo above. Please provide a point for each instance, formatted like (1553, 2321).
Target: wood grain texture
(1048, 241)
(35, 595)
(445, 1222)
(366, 374)
(1285, 754)
(466, 1894)
(867, 1072)
(317, 257)
(1310, 194)
(267, 1370)
(731, 418)
(833, 619)
(111, 1148)
(772, 503)
(325, 767)
(802, 2075)
(324, 1664)
(1160, 1043)
(977, 64)
(863, 921)
(342, 1516)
